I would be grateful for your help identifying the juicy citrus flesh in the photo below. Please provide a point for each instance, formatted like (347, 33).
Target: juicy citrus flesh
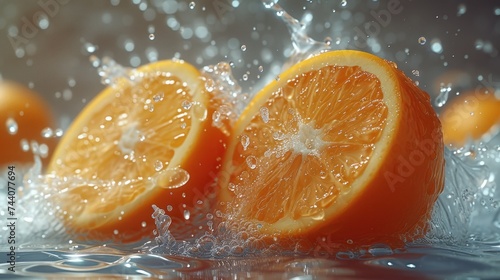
(139, 143)
(318, 154)
(472, 116)
(31, 114)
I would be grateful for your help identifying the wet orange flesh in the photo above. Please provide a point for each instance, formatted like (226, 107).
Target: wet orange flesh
(317, 140)
(133, 158)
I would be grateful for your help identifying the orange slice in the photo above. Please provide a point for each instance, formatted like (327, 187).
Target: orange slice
(144, 141)
(472, 116)
(342, 149)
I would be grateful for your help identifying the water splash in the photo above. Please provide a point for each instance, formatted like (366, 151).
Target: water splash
(303, 45)
(227, 95)
(111, 72)
(467, 208)
(442, 97)
(32, 208)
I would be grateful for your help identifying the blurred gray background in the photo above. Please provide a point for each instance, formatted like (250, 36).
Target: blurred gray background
(46, 44)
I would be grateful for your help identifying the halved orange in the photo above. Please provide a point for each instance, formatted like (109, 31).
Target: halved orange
(342, 149)
(472, 116)
(145, 140)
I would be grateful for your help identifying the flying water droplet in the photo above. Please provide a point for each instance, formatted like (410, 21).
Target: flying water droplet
(442, 97)
(269, 3)
(243, 47)
(462, 8)
(12, 126)
(89, 47)
(422, 40)
(25, 146)
(47, 132)
(328, 41)
(192, 5)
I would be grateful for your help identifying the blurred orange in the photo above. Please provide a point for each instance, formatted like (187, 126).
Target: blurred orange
(472, 116)
(23, 116)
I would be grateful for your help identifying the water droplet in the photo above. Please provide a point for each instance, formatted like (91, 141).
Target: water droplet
(43, 150)
(149, 107)
(186, 105)
(328, 41)
(25, 146)
(200, 111)
(171, 178)
(187, 214)
(261, 69)
(269, 3)
(245, 77)
(210, 85)
(170, 208)
(47, 132)
(416, 73)
(192, 5)
(462, 8)
(158, 165)
(12, 126)
(151, 36)
(143, 224)
(243, 47)
(245, 141)
(343, 3)
(89, 47)
(264, 114)
(422, 40)
(158, 97)
(251, 162)
(442, 97)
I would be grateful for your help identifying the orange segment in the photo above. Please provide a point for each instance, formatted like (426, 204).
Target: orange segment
(343, 146)
(471, 116)
(140, 142)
